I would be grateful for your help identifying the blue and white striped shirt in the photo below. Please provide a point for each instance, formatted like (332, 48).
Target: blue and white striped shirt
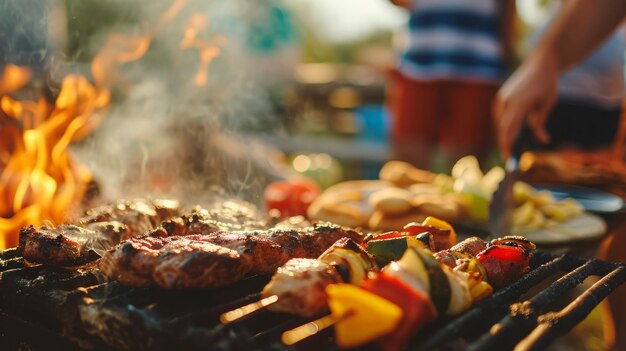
(454, 39)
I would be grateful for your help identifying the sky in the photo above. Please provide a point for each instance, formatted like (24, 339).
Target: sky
(344, 20)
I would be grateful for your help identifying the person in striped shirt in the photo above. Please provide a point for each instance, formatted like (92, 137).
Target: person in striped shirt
(441, 92)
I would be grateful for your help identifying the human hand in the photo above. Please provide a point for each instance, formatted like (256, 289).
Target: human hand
(526, 97)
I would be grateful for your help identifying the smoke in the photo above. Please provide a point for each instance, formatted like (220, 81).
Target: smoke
(165, 135)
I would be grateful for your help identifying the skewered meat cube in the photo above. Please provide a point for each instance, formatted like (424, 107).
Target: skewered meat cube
(300, 285)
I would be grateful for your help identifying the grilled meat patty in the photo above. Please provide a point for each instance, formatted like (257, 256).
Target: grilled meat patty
(98, 230)
(215, 259)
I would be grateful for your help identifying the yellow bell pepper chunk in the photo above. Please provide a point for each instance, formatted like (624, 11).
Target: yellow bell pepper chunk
(439, 223)
(364, 316)
(412, 241)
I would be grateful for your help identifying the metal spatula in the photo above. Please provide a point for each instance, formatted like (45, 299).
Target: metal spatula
(502, 204)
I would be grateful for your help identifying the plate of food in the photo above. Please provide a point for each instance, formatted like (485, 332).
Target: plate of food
(586, 226)
(592, 200)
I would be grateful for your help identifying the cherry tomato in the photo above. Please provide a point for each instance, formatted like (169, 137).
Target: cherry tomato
(290, 198)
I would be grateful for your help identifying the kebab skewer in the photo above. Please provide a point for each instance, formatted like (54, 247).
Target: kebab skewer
(391, 306)
(299, 286)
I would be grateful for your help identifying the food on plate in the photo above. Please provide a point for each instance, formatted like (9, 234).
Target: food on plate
(406, 194)
(595, 169)
(391, 200)
(382, 221)
(403, 174)
(99, 228)
(380, 205)
(539, 209)
(215, 259)
(346, 203)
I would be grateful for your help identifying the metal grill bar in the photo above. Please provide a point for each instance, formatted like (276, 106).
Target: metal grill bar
(500, 326)
(523, 316)
(552, 325)
(477, 320)
(111, 315)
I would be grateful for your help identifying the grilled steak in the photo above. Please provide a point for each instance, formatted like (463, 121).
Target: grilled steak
(216, 259)
(98, 230)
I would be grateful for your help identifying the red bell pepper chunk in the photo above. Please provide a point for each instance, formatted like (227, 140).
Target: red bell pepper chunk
(417, 307)
(389, 235)
(504, 264)
(440, 236)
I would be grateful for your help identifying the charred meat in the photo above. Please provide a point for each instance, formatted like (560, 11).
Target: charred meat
(216, 259)
(98, 230)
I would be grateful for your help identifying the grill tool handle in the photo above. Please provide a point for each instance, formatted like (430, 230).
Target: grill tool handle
(521, 144)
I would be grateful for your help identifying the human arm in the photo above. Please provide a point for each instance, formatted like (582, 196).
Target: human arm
(530, 93)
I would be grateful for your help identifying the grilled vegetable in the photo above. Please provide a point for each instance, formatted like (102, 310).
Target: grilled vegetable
(365, 316)
(424, 286)
(434, 233)
(504, 264)
(387, 250)
(421, 263)
(417, 308)
(442, 232)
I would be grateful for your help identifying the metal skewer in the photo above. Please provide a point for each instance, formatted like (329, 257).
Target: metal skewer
(243, 311)
(304, 331)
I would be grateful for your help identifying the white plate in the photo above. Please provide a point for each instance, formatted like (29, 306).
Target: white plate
(584, 227)
(592, 200)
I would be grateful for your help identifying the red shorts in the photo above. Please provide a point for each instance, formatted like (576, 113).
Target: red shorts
(453, 117)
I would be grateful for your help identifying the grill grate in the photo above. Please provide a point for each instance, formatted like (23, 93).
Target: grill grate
(40, 303)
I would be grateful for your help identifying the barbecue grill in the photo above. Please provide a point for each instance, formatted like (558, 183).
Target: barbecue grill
(74, 309)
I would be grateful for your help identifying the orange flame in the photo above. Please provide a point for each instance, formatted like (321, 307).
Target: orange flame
(13, 78)
(39, 179)
(208, 49)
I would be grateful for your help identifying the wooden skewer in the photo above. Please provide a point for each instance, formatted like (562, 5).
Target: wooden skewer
(304, 331)
(243, 311)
